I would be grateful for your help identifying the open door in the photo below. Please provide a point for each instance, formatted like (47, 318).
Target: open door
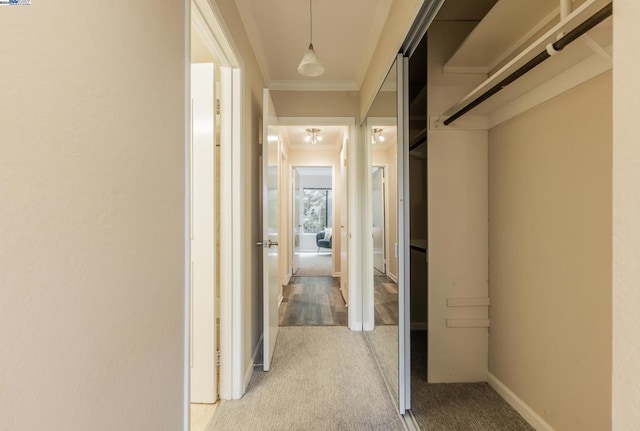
(203, 318)
(270, 220)
(377, 199)
(297, 220)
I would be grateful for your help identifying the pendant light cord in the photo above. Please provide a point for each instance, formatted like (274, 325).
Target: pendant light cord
(310, 22)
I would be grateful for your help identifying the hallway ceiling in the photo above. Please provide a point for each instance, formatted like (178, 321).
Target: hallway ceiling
(345, 34)
(332, 137)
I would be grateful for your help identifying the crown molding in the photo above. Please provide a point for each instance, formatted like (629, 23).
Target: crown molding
(308, 85)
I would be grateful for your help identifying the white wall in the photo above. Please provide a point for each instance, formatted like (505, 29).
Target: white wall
(92, 217)
(626, 213)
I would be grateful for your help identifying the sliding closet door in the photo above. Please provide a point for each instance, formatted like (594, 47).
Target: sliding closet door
(404, 344)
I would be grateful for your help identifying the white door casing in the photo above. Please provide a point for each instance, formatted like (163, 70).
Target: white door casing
(296, 219)
(270, 223)
(202, 299)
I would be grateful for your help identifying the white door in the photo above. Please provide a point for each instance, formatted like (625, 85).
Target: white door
(271, 285)
(344, 222)
(297, 220)
(203, 318)
(377, 200)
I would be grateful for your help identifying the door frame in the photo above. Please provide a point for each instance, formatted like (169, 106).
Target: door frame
(385, 213)
(291, 210)
(367, 256)
(354, 309)
(203, 16)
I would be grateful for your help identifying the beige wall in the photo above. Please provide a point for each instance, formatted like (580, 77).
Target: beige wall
(626, 214)
(401, 16)
(550, 256)
(315, 103)
(252, 112)
(92, 216)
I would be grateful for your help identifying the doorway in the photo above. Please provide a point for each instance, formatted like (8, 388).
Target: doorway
(312, 221)
(212, 162)
(311, 224)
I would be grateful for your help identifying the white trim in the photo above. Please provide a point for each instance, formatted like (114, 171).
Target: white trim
(404, 236)
(186, 366)
(392, 275)
(336, 274)
(518, 404)
(248, 372)
(570, 78)
(217, 38)
(366, 181)
(237, 244)
(309, 85)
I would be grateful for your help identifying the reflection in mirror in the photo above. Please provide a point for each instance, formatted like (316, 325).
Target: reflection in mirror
(381, 288)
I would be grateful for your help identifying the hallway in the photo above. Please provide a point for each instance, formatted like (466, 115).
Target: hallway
(313, 301)
(322, 378)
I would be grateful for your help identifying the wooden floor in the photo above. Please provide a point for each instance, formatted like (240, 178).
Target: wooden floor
(313, 301)
(386, 300)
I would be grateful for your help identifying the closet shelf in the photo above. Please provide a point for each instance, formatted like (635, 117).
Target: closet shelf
(576, 54)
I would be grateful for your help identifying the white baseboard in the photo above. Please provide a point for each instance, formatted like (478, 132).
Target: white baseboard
(419, 326)
(393, 277)
(248, 373)
(518, 404)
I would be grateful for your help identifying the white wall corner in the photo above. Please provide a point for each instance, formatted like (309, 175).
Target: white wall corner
(533, 418)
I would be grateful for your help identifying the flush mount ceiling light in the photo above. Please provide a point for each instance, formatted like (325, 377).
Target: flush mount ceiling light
(377, 137)
(313, 136)
(310, 64)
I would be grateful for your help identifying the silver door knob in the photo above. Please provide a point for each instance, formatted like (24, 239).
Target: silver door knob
(259, 243)
(271, 243)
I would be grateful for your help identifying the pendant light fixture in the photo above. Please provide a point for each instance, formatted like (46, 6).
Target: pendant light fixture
(310, 64)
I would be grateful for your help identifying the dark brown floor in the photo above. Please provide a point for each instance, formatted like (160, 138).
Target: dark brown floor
(313, 301)
(385, 300)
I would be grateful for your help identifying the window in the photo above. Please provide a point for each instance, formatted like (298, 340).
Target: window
(316, 209)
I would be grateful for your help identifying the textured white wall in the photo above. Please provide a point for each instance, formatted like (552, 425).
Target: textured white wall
(92, 215)
(626, 214)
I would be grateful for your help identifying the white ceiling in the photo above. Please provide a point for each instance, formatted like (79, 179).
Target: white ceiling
(332, 137)
(345, 33)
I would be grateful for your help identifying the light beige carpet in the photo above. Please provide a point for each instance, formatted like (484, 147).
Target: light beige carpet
(322, 379)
